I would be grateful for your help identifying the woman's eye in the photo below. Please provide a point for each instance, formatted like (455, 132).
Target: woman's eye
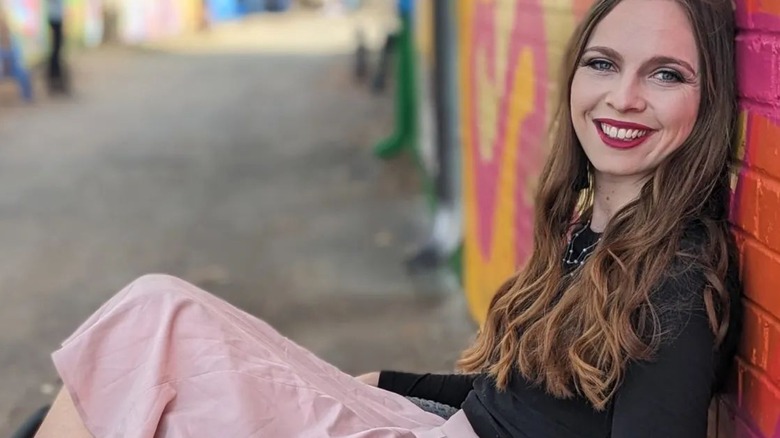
(669, 76)
(599, 65)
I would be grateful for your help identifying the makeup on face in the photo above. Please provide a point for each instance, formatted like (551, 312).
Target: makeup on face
(634, 97)
(622, 135)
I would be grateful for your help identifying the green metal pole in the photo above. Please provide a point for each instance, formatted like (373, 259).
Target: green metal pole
(405, 97)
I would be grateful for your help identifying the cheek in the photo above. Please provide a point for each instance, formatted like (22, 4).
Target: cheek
(680, 114)
(584, 96)
(582, 102)
(577, 96)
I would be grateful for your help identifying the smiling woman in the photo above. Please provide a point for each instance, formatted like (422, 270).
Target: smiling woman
(639, 74)
(621, 325)
(637, 328)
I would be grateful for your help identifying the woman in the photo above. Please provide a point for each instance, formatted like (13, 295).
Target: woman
(621, 324)
(618, 340)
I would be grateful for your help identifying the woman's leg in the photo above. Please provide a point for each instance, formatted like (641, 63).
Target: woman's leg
(165, 358)
(63, 421)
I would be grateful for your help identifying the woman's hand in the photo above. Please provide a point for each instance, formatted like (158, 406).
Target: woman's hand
(371, 379)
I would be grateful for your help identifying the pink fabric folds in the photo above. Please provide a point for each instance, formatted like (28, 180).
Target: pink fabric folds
(163, 358)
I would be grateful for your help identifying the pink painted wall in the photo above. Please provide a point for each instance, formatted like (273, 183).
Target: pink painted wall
(753, 407)
(504, 83)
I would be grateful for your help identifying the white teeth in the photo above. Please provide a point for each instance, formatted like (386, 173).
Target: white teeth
(622, 134)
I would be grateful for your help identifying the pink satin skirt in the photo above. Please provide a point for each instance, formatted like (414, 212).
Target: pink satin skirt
(164, 358)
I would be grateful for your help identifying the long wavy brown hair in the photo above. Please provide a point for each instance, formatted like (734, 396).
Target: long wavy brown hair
(577, 336)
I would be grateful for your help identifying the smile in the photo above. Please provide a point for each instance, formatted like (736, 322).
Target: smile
(622, 135)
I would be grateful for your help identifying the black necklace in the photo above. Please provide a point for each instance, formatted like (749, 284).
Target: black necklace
(570, 260)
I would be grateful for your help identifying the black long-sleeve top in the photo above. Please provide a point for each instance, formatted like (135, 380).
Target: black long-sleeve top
(667, 397)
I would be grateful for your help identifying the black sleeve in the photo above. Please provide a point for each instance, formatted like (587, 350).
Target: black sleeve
(450, 389)
(669, 396)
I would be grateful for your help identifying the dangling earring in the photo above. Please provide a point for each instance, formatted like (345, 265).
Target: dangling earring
(582, 181)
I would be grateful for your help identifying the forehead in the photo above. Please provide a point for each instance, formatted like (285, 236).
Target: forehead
(646, 28)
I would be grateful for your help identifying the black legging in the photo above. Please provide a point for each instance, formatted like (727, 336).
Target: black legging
(56, 78)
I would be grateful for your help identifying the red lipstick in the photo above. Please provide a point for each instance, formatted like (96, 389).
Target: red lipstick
(618, 143)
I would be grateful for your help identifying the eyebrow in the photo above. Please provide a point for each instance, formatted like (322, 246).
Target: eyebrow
(612, 53)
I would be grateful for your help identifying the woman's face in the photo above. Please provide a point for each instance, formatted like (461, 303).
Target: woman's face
(635, 93)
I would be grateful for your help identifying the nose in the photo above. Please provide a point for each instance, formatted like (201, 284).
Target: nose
(626, 95)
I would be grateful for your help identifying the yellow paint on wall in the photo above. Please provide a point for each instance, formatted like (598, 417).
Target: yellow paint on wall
(471, 258)
(483, 275)
(741, 135)
(188, 13)
(488, 97)
(559, 24)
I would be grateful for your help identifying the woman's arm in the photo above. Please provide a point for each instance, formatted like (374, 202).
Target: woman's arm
(450, 389)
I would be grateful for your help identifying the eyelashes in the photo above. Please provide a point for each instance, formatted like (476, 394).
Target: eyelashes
(598, 64)
(672, 75)
(664, 75)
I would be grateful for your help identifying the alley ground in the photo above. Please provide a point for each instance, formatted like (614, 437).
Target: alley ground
(244, 170)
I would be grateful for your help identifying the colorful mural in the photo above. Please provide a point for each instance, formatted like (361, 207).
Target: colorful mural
(84, 24)
(27, 22)
(26, 15)
(509, 52)
(504, 81)
(84, 20)
(754, 408)
(140, 20)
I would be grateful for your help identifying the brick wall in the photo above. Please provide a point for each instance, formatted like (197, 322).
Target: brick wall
(509, 54)
(753, 408)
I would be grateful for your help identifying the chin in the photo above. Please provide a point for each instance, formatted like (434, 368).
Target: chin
(614, 169)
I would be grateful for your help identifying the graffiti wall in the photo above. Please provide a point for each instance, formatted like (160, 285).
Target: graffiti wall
(143, 20)
(505, 72)
(754, 411)
(139, 20)
(84, 22)
(83, 18)
(509, 52)
(28, 25)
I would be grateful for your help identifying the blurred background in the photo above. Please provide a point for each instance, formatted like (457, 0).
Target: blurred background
(359, 173)
(252, 148)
